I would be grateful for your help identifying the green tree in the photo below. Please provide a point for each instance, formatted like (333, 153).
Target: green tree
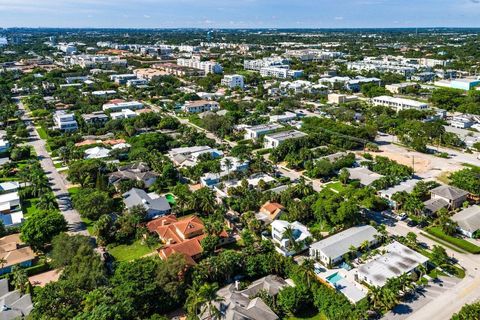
(92, 203)
(40, 228)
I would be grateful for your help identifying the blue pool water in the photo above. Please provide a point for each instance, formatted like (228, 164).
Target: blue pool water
(334, 278)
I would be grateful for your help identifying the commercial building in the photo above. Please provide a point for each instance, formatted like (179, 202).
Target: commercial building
(461, 83)
(65, 121)
(331, 250)
(397, 260)
(258, 64)
(462, 122)
(399, 104)
(335, 98)
(275, 139)
(95, 61)
(233, 81)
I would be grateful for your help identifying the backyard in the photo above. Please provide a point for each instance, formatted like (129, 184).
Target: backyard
(128, 252)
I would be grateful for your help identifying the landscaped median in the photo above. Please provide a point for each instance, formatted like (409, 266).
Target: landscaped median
(460, 243)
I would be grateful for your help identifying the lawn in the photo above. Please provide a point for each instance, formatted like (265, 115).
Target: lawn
(29, 206)
(462, 244)
(73, 191)
(336, 186)
(128, 252)
(42, 133)
(88, 224)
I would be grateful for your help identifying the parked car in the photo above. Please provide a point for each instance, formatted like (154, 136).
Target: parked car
(422, 224)
(412, 223)
(402, 216)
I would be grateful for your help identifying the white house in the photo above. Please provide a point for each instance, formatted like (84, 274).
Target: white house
(188, 156)
(468, 220)
(118, 106)
(124, 114)
(4, 145)
(65, 121)
(97, 153)
(287, 116)
(462, 122)
(233, 81)
(10, 208)
(282, 243)
(275, 139)
(256, 132)
(200, 106)
(332, 249)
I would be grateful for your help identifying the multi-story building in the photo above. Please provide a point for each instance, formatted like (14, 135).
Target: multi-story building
(200, 106)
(399, 103)
(233, 81)
(256, 132)
(94, 118)
(95, 61)
(280, 73)
(122, 78)
(276, 139)
(65, 121)
(266, 62)
(195, 63)
(123, 114)
(462, 122)
(283, 242)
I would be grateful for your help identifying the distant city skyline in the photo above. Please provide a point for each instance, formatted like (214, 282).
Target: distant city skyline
(239, 14)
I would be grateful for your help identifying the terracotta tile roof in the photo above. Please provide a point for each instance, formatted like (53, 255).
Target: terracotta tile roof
(86, 143)
(272, 209)
(190, 248)
(163, 221)
(172, 230)
(190, 226)
(12, 251)
(115, 101)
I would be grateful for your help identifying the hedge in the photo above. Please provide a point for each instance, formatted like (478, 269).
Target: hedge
(462, 244)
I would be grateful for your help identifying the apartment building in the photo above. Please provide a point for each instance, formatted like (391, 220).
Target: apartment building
(122, 78)
(95, 61)
(258, 64)
(233, 81)
(399, 88)
(280, 73)
(399, 103)
(195, 63)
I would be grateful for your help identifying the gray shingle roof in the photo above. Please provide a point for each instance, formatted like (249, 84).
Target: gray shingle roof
(135, 197)
(468, 219)
(449, 192)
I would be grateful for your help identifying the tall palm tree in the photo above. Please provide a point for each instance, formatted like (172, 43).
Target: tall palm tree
(375, 297)
(308, 267)
(208, 295)
(47, 201)
(229, 164)
(20, 278)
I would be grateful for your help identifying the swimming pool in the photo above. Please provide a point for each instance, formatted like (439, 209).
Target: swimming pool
(334, 278)
(170, 198)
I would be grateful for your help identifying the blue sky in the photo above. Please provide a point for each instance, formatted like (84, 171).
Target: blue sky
(240, 13)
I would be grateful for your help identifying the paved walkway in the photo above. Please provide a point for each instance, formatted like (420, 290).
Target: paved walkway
(58, 184)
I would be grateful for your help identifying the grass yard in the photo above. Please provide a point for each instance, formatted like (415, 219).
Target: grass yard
(29, 207)
(42, 133)
(128, 252)
(460, 243)
(336, 186)
(88, 224)
(73, 191)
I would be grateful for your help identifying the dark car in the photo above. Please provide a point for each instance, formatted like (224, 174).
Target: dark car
(422, 224)
(411, 223)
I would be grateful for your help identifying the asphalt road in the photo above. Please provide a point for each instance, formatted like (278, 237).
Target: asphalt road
(58, 184)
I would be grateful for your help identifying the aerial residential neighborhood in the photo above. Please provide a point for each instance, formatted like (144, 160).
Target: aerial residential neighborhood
(206, 160)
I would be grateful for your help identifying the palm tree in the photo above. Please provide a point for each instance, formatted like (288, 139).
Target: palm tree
(47, 201)
(375, 297)
(228, 163)
(365, 245)
(308, 267)
(208, 297)
(20, 278)
(289, 234)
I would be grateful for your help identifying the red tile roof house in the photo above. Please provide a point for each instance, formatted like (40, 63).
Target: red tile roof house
(182, 236)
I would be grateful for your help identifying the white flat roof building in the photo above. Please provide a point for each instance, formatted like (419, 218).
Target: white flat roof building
(132, 105)
(398, 260)
(275, 139)
(331, 250)
(256, 132)
(65, 121)
(123, 114)
(399, 103)
(233, 81)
